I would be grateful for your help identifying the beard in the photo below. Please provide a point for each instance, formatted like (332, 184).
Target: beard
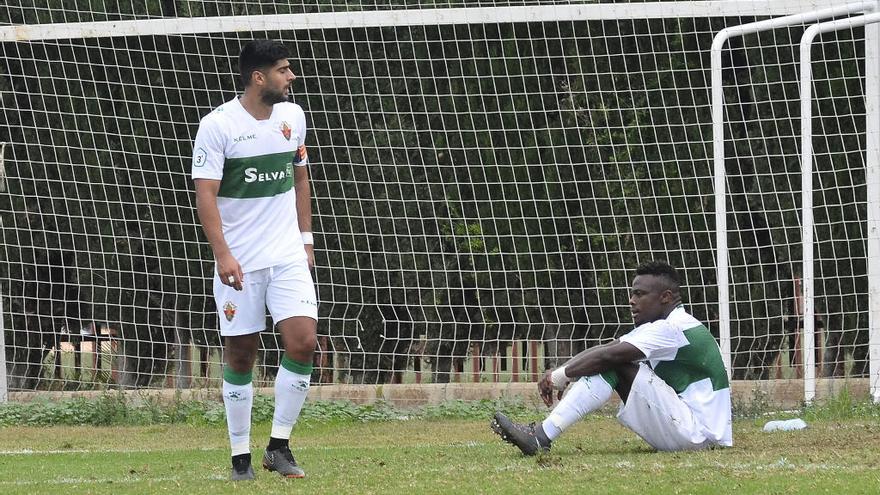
(272, 97)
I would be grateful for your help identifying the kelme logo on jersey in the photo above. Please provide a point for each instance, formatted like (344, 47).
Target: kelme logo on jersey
(244, 137)
(254, 175)
(229, 310)
(285, 130)
(235, 396)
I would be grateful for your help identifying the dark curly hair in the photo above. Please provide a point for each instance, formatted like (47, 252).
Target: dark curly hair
(259, 54)
(661, 269)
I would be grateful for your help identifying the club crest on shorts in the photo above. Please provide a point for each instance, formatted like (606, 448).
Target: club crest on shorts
(229, 310)
(285, 130)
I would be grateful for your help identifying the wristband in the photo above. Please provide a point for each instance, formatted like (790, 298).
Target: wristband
(560, 381)
(308, 238)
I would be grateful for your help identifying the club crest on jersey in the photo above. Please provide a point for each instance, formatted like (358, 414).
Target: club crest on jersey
(229, 310)
(285, 130)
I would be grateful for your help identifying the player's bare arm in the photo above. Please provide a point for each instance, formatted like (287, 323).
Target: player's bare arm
(304, 208)
(592, 361)
(209, 215)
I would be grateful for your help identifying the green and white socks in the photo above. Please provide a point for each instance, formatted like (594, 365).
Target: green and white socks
(291, 389)
(238, 397)
(585, 395)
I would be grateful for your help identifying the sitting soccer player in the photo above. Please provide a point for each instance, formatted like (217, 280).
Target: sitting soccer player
(667, 371)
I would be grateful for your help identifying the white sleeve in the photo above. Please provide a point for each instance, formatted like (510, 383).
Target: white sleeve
(658, 340)
(208, 151)
(301, 157)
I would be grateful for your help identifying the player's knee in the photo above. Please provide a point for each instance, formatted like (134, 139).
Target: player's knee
(303, 348)
(240, 365)
(309, 343)
(240, 360)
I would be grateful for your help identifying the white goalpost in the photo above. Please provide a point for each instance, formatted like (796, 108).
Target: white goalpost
(872, 178)
(485, 179)
(809, 345)
(718, 152)
(4, 385)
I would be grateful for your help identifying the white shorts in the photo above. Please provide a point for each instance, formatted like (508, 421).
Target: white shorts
(657, 414)
(287, 290)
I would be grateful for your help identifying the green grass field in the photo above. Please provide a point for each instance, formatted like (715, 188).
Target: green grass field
(439, 456)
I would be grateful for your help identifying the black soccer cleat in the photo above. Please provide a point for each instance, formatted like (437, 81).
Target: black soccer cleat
(526, 437)
(242, 469)
(282, 462)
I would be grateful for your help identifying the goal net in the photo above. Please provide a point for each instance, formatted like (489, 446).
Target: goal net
(485, 178)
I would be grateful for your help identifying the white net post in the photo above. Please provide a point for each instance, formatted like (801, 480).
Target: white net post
(872, 132)
(4, 384)
(763, 112)
(2, 168)
(718, 142)
(807, 124)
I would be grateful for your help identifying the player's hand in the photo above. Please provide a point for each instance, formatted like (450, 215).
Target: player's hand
(310, 253)
(230, 271)
(545, 386)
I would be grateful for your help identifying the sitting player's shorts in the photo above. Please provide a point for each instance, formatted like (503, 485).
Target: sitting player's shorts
(287, 290)
(657, 414)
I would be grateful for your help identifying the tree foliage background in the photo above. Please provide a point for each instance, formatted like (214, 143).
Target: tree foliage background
(472, 184)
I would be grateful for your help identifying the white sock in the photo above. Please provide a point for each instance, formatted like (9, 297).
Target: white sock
(585, 395)
(291, 390)
(238, 400)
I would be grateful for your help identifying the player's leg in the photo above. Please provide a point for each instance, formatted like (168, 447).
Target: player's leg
(291, 299)
(583, 397)
(240, 352)
(242, 317)
(655, 412)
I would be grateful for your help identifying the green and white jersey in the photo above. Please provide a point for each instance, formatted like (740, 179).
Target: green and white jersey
(254, 160)
(684, 354)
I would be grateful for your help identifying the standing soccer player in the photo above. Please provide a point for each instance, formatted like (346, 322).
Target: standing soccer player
(668, 372)
(253, 199)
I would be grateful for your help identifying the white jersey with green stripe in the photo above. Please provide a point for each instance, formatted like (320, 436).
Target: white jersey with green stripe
(683, 352)
(254, 160)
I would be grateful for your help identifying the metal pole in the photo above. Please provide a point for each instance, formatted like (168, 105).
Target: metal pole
(807, 194)
(808, 341)
(718, 43)
(872, 179)
(4, 384)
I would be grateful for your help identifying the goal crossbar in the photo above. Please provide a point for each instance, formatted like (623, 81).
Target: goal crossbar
(408, 17)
